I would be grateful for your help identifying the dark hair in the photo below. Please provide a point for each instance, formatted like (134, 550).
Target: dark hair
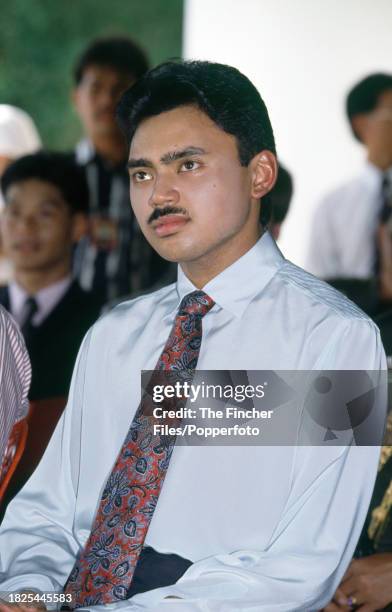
(275, 205)
(222, 92)
(364, 96)
(119, 53)
(58, 169)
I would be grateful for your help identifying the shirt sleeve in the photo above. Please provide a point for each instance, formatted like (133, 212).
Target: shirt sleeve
(317, 532)
(37, 545)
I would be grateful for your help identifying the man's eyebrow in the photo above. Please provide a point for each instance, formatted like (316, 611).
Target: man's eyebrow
(187, 152)
(139, 163)
(167, 158)
(51, 202)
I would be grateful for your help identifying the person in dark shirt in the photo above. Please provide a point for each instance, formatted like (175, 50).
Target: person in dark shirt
(116, 259)
(45, 214)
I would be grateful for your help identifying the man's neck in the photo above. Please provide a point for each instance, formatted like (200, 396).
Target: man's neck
(112, 148)
(33, 281)
(382, 162)
(201, 271)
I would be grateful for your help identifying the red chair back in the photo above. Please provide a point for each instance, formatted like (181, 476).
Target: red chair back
(15, 447)
(42, 419)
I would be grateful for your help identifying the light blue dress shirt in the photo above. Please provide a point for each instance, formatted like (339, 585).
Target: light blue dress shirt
(268, 528)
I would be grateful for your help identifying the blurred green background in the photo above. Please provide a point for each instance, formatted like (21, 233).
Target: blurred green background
(40, 40)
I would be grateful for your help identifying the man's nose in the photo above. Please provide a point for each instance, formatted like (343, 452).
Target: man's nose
(110, 97)
(27, 224)
(164, 193)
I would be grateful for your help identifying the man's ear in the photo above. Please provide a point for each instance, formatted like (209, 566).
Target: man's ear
(264, 171)
(79, 226)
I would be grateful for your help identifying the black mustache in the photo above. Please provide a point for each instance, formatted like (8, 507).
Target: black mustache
(169, 210)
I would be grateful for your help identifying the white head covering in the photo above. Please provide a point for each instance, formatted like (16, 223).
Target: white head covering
(18, 134)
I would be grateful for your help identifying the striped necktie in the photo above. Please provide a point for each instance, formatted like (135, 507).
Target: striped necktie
(103, 571)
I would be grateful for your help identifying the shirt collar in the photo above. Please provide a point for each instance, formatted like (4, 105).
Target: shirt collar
(235, 287)
(84, 152)
(46, 298)
(373, 175)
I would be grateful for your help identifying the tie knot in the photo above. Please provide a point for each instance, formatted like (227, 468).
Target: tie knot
(196, 303)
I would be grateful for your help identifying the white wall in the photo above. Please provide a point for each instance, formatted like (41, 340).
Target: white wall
(303, 55)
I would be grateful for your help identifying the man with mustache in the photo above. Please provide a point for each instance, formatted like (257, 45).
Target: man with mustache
(124, 519)
(116, 259)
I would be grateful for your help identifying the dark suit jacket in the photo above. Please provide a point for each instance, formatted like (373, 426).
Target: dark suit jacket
(54, 344)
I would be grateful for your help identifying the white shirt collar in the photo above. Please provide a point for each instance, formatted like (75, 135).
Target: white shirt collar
(373, 175)
(84, 151)
(234, 288)
(46, 298)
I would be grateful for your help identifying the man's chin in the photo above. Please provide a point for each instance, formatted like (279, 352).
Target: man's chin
(177, 255)
(29, 266)
(170, 253)
(177, 248)
(172, 257)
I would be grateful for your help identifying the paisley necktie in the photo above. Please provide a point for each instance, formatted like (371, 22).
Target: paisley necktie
(104, 569)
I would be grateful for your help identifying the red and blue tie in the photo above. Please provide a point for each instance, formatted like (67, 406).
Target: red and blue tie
(104, 569)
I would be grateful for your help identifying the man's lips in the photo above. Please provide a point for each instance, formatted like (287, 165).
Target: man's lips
(169, 224)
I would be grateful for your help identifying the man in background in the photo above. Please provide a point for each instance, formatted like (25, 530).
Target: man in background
(346, 224)
(115, 260)
(45, 215)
